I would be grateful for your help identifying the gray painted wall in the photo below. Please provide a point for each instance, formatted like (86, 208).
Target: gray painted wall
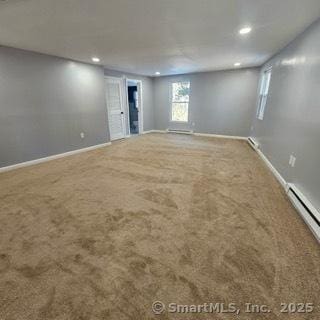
(221, 102)
(45, 103)
(147, 96)
(291, 124)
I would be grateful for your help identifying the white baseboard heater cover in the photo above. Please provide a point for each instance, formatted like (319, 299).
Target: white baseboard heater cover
(180, 131)
(310, 214)
(253, 143)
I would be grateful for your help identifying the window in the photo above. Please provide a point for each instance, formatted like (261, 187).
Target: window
(180, 101)
(264, 89)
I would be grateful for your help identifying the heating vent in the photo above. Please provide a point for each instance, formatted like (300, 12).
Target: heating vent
(253, 143)
(310, 215)
(180, 131)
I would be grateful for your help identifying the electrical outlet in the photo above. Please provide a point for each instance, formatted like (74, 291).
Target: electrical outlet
(193, 124)
(82, 135)
(292, 161)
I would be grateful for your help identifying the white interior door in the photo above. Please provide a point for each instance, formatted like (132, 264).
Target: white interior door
(115, 108)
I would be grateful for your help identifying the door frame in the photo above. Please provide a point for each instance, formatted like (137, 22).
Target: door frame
(121, 102)
(140, 103)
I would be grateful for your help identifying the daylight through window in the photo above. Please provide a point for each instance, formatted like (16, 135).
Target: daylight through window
(180, 101)
(264, 89)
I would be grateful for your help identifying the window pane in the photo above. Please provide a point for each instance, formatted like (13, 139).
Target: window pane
(263, 84)
(179, 111)
(264, 90)
(268, 78)
(262, 107)
(180, 91)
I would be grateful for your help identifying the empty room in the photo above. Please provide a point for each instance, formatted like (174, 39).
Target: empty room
(159, 159)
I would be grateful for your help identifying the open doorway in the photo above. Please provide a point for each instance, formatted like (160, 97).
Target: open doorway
(134, 88)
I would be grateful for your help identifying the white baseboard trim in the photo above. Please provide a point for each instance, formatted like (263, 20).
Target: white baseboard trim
(300, 208)
(56, 156)
(273, 169)
(219, 136)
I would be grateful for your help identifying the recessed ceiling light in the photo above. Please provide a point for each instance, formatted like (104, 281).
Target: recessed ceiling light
(237, 64)
(245, 30)
(157, 73)
(95, 59)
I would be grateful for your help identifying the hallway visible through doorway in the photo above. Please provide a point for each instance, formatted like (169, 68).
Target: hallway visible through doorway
(133, 107)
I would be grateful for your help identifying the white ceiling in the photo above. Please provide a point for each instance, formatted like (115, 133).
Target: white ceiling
(145, 36)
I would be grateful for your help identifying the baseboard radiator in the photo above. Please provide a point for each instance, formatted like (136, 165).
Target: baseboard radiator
(253, 143)
(310, 214)
(180, 131)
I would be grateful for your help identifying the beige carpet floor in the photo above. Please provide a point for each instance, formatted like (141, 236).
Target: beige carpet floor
(180, 219)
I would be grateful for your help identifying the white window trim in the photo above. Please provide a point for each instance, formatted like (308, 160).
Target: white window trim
(170, 101)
